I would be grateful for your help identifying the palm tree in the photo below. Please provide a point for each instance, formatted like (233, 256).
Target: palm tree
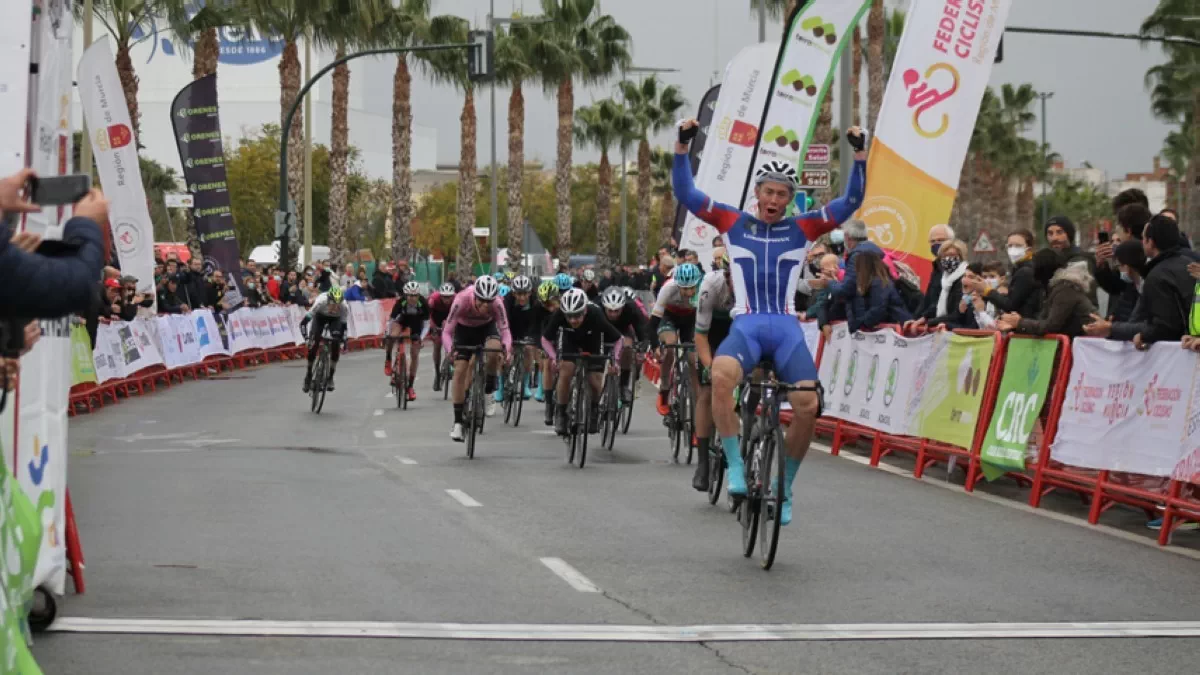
(450, 67)
(514, 66)
(122, 19)
(355, 25)
(1175, 87)
(289, 20)
(603, 125)
(577, 42)
(653, 107)
(876, 37)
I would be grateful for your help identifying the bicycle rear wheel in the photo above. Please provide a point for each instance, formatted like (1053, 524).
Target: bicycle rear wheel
(716, 474)
(677, 424)
(447, 366)
(627, 411)
(609, 413)
(771, 489)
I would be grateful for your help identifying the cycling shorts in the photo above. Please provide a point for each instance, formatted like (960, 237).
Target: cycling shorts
(467, 338)
(681, 324)
(415, 324)
(717, 332)
(778, 337)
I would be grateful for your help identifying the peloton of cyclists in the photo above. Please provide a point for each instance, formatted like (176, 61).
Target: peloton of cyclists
(477, 318)
(768, 250)
(408, 319)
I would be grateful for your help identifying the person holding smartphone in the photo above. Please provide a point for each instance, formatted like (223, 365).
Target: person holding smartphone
(47, 286)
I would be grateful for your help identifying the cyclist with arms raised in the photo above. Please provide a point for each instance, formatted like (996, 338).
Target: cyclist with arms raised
(767, 250)
(476, 318)
(328, 311)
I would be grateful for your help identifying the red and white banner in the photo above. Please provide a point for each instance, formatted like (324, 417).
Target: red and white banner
(1130, 411)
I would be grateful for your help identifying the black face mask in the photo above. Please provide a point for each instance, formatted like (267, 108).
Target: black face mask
(815, 268)
(836, 248)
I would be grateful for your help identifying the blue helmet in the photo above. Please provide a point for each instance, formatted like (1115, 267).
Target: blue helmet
(688, 275)
(499, 276)
(564, 282)
(504, 290)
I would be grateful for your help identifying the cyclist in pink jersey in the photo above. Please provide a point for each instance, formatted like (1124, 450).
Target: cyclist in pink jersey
(476, 318)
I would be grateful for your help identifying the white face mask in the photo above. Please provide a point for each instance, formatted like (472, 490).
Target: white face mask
(1015, 253)
(992, 283)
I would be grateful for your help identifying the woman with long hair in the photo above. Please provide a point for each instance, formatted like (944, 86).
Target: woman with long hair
(876, 300)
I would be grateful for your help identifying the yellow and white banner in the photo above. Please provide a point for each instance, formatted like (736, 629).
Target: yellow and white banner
(924, 128)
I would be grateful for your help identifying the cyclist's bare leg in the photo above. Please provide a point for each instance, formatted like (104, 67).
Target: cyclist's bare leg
(394, 331)
(668, 361)
(805, 406)
(626, 363)
(414, 358)
(462, 373)
(493, 359)
(562, 390)
(437, 352)
(726, 375)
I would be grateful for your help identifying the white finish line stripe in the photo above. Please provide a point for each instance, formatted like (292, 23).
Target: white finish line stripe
(463, 498)
(617, 633)
(405, 460)
(570, 575)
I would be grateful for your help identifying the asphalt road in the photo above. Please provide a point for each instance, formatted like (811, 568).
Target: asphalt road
(227, 499)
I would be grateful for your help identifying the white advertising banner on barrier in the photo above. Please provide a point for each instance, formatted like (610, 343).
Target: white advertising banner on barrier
(115, 149)
(107, 356)
(208, 337)
(730, 144)
(41, 459)
(1127, 410)
(869, 378)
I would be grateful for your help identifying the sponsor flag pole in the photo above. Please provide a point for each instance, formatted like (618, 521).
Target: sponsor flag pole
(925, 123)
(817, 33)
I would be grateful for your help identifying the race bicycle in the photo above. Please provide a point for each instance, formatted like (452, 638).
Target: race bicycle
(680, 420)
(475, 406)
(625, 415)
(764, 454)
(579, 406)
(400, 383)
(321, 366)
(514, 383)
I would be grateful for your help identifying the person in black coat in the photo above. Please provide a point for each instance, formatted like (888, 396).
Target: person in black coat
(943, 300)
(1130, 259)
(1060, 234)
(1024, 292)
(876, 300)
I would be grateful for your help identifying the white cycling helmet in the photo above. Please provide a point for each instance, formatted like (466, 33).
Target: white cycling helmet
(629, 292)
(486, 288)
(522, 284)
(613, 299)
(589, 275)
(574, 302)
(777, 172)
(412, 288)
(447, 289)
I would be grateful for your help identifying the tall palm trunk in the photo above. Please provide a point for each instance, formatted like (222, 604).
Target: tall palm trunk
(466, 187)
(402, 206)
(666, 215)
(603, 208)
(129, 84)
(856, 64)
(823, 134)
(875, 39)
(643, 199)
(562, 169)
(516, 176)
(208, 50)
(289, 88)
(339, 146)
(204, 63)
(1025, 204)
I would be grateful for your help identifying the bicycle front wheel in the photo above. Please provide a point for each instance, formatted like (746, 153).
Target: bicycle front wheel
(402, 383)
(320, 377)
(583, 412)
(772, 477)
(716, 474)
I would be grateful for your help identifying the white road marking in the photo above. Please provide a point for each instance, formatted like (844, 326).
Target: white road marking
(463, 498)
(630, 633)
(380, 433)
(570, 575)
(201, 442)
(405, 460)
(378, 413)
(1016, 505)
(159, 437)
(388, 394)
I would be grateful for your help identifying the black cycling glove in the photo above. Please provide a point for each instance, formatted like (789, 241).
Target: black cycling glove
(857, 141)
(686, 135)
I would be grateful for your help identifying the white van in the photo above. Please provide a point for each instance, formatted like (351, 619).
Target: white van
(269, 254)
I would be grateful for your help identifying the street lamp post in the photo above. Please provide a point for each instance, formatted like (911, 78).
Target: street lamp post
(495, 216)
(624, 162)
(1044, 96)
(284, 217)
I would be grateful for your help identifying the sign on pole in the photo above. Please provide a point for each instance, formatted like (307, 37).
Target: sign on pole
(817, 154)
(180, 200)
(814, 178)
(984, 243)
(480, 232)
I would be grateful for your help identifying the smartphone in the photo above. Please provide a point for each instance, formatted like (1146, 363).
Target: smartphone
(59, 190)
(1103, 237)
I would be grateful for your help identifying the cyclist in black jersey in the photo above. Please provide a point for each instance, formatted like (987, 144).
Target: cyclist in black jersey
(439, 309)
(627, 318)
(587, 283)
(522, 322)
(409, 317)
(578, 326)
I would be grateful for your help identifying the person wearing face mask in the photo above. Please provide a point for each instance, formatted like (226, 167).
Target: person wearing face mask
(837, 242)
(252, 295)
(938, 235)
(944, 297)
(1067, 308)
(1024, 293)
(1131, 220)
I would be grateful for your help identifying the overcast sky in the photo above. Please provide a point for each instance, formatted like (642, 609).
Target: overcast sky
(1099, 112)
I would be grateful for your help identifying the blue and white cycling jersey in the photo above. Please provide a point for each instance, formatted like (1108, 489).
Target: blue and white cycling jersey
(767, 259)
